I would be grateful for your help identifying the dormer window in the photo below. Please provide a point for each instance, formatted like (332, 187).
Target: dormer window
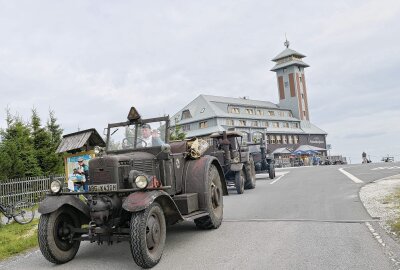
(234, 110)
(249, 111)
(186, 114)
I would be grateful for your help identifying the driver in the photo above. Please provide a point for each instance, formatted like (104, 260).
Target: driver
(149, 138)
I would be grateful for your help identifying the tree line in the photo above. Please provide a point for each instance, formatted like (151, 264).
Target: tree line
(27, 148)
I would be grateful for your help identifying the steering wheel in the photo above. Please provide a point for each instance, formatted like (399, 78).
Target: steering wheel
(128, 142)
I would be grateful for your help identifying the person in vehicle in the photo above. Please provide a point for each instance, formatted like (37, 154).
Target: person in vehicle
(149, 138)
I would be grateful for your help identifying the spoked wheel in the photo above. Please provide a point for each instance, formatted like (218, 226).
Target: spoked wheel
(239, 182)
(24, 212)
(147, 232)
(55, 235)
(250, 175)
(214, 202)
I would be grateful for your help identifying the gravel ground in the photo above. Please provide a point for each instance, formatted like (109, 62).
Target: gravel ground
(377, 198)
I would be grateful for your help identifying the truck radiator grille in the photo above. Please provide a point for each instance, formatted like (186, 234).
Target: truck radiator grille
(146, 166)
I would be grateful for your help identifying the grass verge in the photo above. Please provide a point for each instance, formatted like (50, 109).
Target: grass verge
(395, 224)
(15, 238)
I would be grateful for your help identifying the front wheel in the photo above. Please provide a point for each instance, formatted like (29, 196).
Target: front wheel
(214, 201)
(55, 235)
(271, 171)
(24, 212)
(250, 175)
(239, 182)
(148, 232)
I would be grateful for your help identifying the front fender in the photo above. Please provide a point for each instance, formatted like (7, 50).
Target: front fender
(139, 201)
(52, 203)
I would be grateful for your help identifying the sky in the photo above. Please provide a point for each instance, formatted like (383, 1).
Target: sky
(90, 61)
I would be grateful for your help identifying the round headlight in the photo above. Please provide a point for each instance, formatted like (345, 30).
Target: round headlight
(55, 186)
(141, 181)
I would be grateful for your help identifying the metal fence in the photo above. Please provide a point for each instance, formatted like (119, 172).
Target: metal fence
(31, 189)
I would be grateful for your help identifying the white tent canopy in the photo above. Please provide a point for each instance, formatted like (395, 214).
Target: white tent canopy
(282, 150)
(307, 147)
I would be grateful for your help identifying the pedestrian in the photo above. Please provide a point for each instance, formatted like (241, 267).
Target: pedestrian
(83, 169)
(78, 180)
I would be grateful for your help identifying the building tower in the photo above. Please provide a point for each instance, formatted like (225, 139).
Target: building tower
(289, 68)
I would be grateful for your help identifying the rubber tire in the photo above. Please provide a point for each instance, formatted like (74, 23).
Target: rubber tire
(271, 171)
(141, 254)
(250, 175)
(215, 209)
(21, 209)
(46, 236)
(239, 182)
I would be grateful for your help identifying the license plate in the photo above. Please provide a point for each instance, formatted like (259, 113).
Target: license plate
(106, 187)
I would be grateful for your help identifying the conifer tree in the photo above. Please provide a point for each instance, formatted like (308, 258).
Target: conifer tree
(55, 161)
(18, 157)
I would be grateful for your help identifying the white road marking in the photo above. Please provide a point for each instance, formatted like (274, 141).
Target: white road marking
(352, 177)
(276, 180)
(385, 168)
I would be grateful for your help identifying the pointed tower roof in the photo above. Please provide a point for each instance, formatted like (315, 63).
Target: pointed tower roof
(288, 57)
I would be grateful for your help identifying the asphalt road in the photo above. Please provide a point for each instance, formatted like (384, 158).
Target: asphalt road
(309, 218)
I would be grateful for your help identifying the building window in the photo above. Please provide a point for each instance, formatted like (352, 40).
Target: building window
(266, 124)
(296, 139)
(271, 113)
(286, 125)
(230, 122)
(186, 127)
(278, 139)
(275, 124)
(284, 70)
(257, 137)
(280, 113)
(286, 84)
(272, 139)
(290, 114)
(186, 114)
(249, 111)
(304, 113)
(242, 122)
(259, 112)
(284, 139)
(295, 125)
(290, 139)
(254, 123)
(203, 124)
(234, 110)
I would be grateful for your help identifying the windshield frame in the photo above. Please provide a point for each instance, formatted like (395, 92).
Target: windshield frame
(136, 124)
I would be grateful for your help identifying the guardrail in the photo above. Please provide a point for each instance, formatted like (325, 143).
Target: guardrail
(31, 189)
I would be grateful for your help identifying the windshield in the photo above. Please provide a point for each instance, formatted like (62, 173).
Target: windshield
(136, 136)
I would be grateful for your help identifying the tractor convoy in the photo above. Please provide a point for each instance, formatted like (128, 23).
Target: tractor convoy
(139, 185)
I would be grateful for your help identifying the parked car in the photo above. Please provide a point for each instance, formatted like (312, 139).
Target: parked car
(134, 193)
(237, 163)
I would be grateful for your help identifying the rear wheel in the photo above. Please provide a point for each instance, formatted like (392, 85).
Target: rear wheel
(55, 235)
(24, 212)
(214, 202)
(148, 232)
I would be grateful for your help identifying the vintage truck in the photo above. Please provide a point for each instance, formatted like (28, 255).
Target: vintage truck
(135, 190)
(237, 163)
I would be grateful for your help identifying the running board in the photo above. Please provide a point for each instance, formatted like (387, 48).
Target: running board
(194, 215)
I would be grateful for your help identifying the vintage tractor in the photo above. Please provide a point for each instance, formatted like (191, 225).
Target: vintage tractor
(263, 163)
(238, 166)
(137, 187)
